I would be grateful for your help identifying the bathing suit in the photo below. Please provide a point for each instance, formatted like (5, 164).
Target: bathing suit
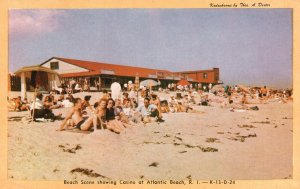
(110, 114)
(78, 126)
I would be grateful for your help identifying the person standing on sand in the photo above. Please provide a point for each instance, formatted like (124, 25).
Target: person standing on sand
(74, 118)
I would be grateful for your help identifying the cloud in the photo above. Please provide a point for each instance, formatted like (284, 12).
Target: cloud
(24, 23)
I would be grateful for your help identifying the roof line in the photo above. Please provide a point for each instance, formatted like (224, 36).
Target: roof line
(64, 59)
(195, 71)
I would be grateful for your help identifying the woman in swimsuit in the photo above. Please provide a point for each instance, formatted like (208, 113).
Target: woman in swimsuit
(105, 116)
(112, 123)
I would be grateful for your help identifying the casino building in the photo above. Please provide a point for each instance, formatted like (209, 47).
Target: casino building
(105, 73)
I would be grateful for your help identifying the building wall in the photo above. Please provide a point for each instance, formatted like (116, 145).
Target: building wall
(64, 67)
(212, 75)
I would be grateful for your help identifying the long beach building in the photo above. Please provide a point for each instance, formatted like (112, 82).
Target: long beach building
(106, 73)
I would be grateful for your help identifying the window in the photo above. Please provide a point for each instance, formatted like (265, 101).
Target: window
(54, 65)
(204, 75)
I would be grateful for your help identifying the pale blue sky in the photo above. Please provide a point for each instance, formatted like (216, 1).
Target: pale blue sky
(250, 46)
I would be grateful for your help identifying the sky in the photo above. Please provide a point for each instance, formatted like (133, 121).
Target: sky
(250, 46)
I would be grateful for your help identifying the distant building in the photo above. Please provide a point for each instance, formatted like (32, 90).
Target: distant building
(105, 73)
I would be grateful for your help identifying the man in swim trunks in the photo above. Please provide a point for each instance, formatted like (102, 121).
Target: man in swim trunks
(75, 119)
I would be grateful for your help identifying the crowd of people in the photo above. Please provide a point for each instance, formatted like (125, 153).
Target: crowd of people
(107, 113)
(128, 111)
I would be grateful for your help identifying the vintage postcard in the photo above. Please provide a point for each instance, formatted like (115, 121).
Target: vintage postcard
(153, 94)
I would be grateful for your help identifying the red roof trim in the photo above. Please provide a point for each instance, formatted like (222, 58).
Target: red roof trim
(119, 70)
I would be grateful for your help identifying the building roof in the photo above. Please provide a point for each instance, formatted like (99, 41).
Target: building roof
(35, 68)
(199, 71)
(96, 68)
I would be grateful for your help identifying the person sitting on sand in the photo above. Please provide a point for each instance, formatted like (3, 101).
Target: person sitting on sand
(186, 103)
(204, 100)
(105, 95)
(74, 119)
(125, 98)
(100, 113)
(38, 110)
(172, 102)
(67, 103)
(180, 107)
(149, 111)
(112, 122)
(50, 104)
(61, 98)
(21, 105)
(127, 107)
(192, 100)
(264, 92)
(155, 100)
(121, 116)
(86, 103)
(244, 99)
(118, 107)
(164, 106)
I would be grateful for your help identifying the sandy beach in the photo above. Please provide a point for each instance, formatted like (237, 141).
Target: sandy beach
(215, 144)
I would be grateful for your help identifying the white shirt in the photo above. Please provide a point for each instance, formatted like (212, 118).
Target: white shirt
(127, 111)
(67, 104)
(146, 111)
(38, 104)
(131, 94)
(77, 87)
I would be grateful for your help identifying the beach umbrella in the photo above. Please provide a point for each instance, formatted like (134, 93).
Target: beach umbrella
(217, 88)
(183, 82)
(244, 88)
(115, 90)
(148, 83)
